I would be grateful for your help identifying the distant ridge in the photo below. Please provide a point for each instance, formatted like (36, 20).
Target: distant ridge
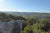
(30, 14)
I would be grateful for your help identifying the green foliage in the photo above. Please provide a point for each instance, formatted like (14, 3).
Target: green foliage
(31, 21)
(28, 29)
(30, 24)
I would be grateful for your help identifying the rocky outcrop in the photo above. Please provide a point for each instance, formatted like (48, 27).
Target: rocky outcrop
(11, 27)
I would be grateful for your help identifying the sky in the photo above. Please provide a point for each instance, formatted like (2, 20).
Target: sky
(25, 5)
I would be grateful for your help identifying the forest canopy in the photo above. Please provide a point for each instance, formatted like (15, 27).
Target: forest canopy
(30, 24)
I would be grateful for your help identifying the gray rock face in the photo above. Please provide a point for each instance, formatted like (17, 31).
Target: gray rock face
(11, 27)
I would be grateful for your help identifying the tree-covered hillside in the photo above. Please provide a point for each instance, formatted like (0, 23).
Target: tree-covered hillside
(30, 24)
(31, 14)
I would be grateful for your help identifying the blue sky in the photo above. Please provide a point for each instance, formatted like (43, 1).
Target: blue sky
(25, 5)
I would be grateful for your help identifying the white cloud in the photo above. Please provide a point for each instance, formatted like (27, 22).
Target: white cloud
(5, 10)
(9, 10)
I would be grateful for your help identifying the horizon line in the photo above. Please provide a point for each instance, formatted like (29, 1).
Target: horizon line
(26, 11)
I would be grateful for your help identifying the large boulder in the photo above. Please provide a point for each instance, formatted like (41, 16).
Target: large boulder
(14, 26)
